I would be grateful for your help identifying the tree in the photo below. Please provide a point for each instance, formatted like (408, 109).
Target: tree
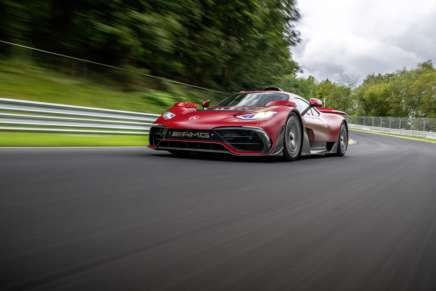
(335, 95)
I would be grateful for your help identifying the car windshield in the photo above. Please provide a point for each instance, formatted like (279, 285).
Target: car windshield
(252, 99)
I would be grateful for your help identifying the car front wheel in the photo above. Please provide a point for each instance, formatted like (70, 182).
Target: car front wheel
(293, 138)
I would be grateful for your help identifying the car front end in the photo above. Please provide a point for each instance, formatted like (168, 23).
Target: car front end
(236, 140)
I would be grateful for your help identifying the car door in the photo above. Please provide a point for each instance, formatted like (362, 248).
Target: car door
(316, 127)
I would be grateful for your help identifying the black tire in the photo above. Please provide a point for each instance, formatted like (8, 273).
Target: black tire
(293, 138)
(342, 144)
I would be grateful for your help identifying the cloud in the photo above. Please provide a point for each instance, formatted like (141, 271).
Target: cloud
(349, 39)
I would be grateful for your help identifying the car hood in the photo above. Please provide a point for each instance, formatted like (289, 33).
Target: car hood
(208, 119)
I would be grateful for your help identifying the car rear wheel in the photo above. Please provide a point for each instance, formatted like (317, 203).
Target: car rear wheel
(293, 138)
(342, 141)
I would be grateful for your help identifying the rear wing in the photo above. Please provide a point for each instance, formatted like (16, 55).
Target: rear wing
(333, 111)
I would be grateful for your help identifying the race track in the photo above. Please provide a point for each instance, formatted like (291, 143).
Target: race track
(133, 219)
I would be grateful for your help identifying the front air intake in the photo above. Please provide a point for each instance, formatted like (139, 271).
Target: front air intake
(244, 140)
(192, 146)
(155, 135)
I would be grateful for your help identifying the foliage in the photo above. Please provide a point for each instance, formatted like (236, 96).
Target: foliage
(213, 43)
(334, 95)
(300, 86)
(407, 93)
(21, 79)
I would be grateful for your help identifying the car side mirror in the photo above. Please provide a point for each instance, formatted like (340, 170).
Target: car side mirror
(281, 103)
(205, 104)
(314, 102)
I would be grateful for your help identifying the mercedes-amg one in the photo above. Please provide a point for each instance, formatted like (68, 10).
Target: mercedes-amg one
(266, 122)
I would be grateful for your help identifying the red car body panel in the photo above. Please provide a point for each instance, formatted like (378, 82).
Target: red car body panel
(321, 128)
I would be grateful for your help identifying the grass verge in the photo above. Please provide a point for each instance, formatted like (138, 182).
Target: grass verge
(422, 139)
(20, 78)
(31, 139)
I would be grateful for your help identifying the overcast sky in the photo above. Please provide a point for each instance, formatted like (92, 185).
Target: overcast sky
(348, 39)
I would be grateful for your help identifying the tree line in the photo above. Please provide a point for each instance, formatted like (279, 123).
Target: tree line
(219, 44)
(405, 93)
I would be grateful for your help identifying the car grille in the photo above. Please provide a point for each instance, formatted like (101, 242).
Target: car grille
(243, 139)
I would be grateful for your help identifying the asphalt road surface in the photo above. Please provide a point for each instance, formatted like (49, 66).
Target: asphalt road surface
(133, 219)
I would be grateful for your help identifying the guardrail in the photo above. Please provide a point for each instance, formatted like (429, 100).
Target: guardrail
(403, 132)
(405, 126)
(21, 115)
(398, 123)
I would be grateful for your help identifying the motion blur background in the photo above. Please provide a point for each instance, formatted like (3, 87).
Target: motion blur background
(144, 55)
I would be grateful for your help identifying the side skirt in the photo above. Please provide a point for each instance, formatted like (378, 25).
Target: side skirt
(329, 148)
(307, 149)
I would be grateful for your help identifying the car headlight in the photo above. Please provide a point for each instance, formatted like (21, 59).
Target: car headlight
(257, 115)
(168, 115)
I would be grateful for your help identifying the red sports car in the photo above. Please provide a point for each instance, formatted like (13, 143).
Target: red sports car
(267, 122)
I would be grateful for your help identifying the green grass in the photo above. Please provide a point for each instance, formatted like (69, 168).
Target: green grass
(422, 139)
(22, 79)
(30, 139)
